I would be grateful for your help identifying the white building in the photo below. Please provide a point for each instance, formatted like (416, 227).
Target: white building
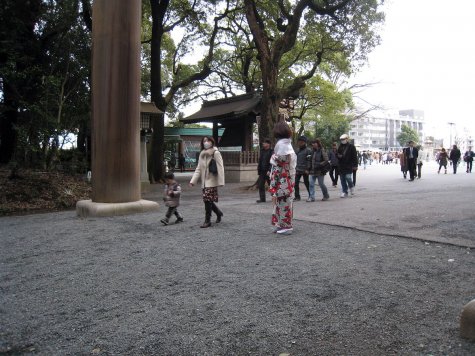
(380, 131)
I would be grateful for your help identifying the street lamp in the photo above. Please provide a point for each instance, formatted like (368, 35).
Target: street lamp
(451, 124)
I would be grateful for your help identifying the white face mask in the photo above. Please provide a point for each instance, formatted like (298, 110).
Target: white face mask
(344, 142)
(207, 145)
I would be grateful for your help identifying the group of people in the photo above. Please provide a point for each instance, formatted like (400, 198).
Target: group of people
(411, 161)
(210, 171)
(454, 157)
(281, 168)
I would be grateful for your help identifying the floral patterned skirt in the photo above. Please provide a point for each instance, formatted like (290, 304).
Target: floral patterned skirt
(210, 194)
(282, 214)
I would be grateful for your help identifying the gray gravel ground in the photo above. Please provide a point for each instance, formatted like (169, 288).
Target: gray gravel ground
(130, 286)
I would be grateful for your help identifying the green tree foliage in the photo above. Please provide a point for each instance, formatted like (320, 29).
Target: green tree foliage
(407, 134)
(320, 111)
(171, 78)
(44, 66)
(294, 38)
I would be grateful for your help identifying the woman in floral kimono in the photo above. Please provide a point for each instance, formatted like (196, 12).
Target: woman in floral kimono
(282, 179)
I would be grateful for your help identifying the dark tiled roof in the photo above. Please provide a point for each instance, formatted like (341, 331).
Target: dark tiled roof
(149, 108)
(228, 108)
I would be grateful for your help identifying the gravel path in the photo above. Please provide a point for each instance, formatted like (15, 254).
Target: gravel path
(130, 286)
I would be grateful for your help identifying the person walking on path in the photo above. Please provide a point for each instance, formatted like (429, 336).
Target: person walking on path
(210, 181)
(263, 169)
(403, 162)
(181, 162)
(411, 158)
(171, 197)
(332, 156)
(318, 167)
(442, 158)
(282, 179)
(303, 157)
(468, 158)
(347, 163)
(455, 157)
(419, 162)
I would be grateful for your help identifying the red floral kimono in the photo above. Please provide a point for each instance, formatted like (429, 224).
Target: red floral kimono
(282, 187)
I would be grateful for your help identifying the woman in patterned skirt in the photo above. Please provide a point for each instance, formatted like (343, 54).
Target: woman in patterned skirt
(282, 179)
(209, 181)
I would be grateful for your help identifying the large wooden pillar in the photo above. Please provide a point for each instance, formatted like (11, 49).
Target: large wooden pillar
(115, 109)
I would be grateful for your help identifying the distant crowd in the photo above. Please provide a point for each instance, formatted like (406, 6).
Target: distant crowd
(280, 170)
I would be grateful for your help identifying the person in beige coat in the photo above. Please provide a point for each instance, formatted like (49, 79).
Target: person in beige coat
(209, 181)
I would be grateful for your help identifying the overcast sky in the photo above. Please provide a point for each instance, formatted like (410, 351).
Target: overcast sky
(426, 61)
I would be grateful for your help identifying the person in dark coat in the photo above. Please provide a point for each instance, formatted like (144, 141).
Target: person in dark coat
(347, 163)
(334, 164)
(442, 159)
(468, 158)
(304, 154)
(455, 155)
(411, 159)
(181, 162)
(263, 169)
(318, 169)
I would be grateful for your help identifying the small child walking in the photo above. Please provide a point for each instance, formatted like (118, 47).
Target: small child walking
(171, 197)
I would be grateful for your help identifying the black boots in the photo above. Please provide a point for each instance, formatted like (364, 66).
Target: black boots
(218, 212)
(209, 207)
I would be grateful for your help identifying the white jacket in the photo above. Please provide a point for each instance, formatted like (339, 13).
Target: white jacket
(209, 180)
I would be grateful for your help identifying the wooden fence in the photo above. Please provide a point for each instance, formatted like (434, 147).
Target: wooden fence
(240, 158)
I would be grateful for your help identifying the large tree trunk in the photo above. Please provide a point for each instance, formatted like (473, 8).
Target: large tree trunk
(156, 169)
(270, 101)
(8, 134)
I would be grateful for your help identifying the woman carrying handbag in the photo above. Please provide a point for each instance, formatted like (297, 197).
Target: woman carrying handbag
(210, 171)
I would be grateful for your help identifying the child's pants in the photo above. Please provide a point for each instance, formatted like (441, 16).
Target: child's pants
(172, 210)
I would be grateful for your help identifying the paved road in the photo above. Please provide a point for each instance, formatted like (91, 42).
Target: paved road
(438, 207)
(354, 279)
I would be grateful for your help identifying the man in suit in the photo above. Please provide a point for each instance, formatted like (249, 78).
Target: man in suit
(263, 169)
(411, 155)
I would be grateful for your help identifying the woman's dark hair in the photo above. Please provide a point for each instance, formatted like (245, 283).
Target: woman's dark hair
(282, 130)
(318, 142)
(267, 141)
(210, 139)
(169, 175)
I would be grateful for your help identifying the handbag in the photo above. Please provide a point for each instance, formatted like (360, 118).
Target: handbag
(212, 166)
(325, 167)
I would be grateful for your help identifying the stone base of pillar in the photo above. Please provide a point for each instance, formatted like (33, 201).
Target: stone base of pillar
(467, 321)
(144, 186)
(87, 208)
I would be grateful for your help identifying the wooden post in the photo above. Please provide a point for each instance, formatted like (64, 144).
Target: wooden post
(115, 111)
(116, 101)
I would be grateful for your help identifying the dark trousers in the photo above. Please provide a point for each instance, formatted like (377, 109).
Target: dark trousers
(419, 169)
(172, 210)
(454, 165)
(411, 167)
(334, 174)
(297, 182)
(354, 178)
(263, 178)
(469, 166)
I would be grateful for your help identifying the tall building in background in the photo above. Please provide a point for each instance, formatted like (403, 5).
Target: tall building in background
(380, 131)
